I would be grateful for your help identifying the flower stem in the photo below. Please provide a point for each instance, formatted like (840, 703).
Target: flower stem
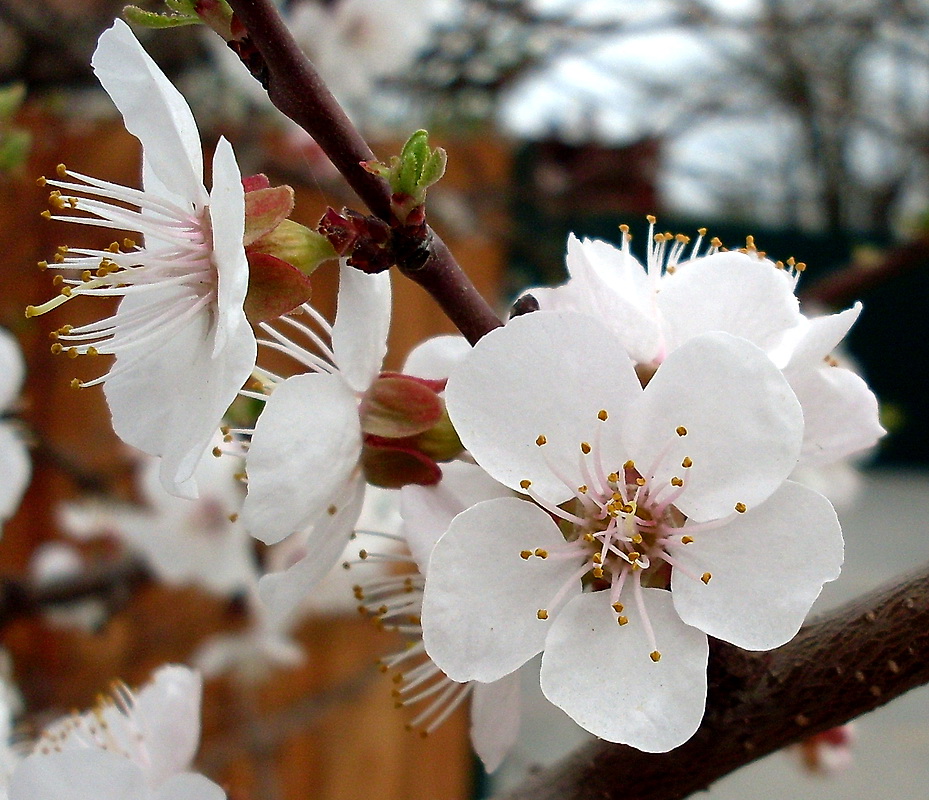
(296, 89)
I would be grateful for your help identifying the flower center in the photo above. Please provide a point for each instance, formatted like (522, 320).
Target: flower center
(177, 256)
(623, 527)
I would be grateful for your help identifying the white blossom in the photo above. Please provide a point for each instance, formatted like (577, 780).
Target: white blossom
(134, 747)
(182, 344)
(663, 509)
(303, 461)
(679, 294)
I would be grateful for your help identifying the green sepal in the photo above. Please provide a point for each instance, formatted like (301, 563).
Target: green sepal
(296, 244)
(151, 19)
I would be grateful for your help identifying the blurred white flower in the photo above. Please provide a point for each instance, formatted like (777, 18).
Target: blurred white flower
(17, 467)
(132, 747)
(182, 541)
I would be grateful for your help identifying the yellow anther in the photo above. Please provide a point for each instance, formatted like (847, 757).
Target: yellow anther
(779, 264)
(58, 258)
(43, 264)
(541, 440)
(716, 242)
(655, 656)
(791, 261)
(585, 448)
(75, 383)
(72, 201)
(617, 496)
(524, 484)
(618, 607)
(113, 247)
(597, 558)
(634, 556)
(613, 477)
(62, 171)
(680, 430)
(636, 538)
(640, 481)
(541, 552)
(740, 507)
(630, 464)
(582, 489)
(623, 620)
(686, 539)
(701, 231)
(58, 280)
(598, 572)
(525, 554)
(85, 275)
(542, 613)
(651, 219)
(128, 244)
(750, 242)
(233, 517)
(56, 348)
(800, 266)
(624, 228)
(629, 508)
(92, 351)
(362, 554)
(72, 352)
(46, 214)
(217, 452)
(676, 481)
(66, 291)
(705, 577)
(687, 463)
(602, 415)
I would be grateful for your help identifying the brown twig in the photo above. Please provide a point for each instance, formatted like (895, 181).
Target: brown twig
(22, 597)
(295, 87)
(850, 661)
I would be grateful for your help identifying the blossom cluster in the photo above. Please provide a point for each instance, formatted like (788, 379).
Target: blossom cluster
(610, 480)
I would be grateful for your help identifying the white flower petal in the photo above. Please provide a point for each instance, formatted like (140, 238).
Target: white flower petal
(150, 413)
(743, 425)
(545, 373)
(189, 787)
(168, 713)
(731, 292)
(359, 334)
(12, 369)
(17, 470)
(495, 715)
(601, 673)
(435, 358)
(481, 599)
(840, 413)
(87, 774)
(427, 511)
(612, 285)
(767, 565)
(304, 451)
(284, 592)
(153, 111)
(819, 336)
(227, 215)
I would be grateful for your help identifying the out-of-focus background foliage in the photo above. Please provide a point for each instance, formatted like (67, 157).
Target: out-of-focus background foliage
(802, 122)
